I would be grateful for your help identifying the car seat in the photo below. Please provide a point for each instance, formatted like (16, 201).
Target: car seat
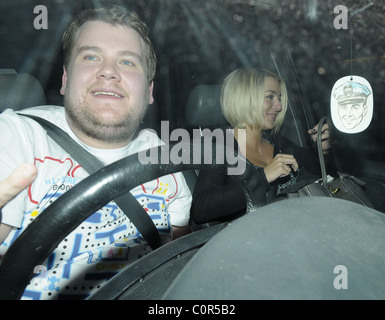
(202, 111)
(19, 91)
(203, 108)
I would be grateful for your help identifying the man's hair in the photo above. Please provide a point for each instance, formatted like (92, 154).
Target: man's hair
(113, 15)
(242, 98)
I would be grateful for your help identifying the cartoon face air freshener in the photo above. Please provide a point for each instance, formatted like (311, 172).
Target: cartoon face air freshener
(351, 104)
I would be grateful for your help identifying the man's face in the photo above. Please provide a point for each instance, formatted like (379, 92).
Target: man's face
(106, 89)
(351, 113)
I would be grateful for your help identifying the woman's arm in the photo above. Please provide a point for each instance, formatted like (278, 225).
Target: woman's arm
(307, 157)
(218, 197)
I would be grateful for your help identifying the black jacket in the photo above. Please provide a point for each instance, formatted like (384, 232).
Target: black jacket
(218, 197)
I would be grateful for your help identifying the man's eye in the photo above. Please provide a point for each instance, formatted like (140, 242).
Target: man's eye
(127, 63)
(90, 58)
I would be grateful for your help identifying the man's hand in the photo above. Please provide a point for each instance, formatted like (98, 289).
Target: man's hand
(21, 178)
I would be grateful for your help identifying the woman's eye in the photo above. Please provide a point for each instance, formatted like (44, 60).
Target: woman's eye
(270, 97)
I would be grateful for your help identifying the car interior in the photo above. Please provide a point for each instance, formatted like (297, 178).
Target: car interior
(198, 43)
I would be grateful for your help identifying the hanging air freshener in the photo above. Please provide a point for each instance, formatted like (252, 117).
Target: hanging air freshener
(351, 101)
(351, 104)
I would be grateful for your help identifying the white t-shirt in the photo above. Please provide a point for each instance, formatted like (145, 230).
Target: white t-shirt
(105, 242)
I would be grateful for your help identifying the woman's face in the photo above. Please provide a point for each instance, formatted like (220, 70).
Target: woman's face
(271, 102)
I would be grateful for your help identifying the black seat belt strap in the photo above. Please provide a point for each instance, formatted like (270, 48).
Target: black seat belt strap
(127, 202)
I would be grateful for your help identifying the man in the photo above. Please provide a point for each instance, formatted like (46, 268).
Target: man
(107, 83)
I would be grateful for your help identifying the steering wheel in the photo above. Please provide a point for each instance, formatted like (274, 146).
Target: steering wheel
(92, 193)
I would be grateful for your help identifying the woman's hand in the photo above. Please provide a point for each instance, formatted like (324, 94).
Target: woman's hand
(281, 166)
(325, 137)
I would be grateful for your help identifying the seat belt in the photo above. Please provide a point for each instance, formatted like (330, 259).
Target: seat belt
(126, 202)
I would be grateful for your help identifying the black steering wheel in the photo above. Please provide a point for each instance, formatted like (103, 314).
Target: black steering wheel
(92, 193)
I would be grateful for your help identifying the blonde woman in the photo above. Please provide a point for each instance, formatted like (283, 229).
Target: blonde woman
(254, 102)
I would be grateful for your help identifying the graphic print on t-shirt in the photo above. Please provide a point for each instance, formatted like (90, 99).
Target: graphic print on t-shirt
(99, 247)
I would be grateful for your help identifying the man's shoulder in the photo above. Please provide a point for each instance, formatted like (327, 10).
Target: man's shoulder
(51, 113)
(144, 140)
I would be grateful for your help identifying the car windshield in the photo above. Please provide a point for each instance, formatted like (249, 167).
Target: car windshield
(330, 54)
(310, 43)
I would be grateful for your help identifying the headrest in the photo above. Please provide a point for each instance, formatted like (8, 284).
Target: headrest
(19, 91)
(203, 107)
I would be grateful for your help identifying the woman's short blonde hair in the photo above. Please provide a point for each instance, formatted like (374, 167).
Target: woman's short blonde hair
(242, 98)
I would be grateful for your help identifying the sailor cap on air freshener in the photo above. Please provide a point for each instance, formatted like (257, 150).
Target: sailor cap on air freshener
(351, 104)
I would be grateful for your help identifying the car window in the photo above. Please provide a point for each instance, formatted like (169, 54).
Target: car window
(311, 44)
